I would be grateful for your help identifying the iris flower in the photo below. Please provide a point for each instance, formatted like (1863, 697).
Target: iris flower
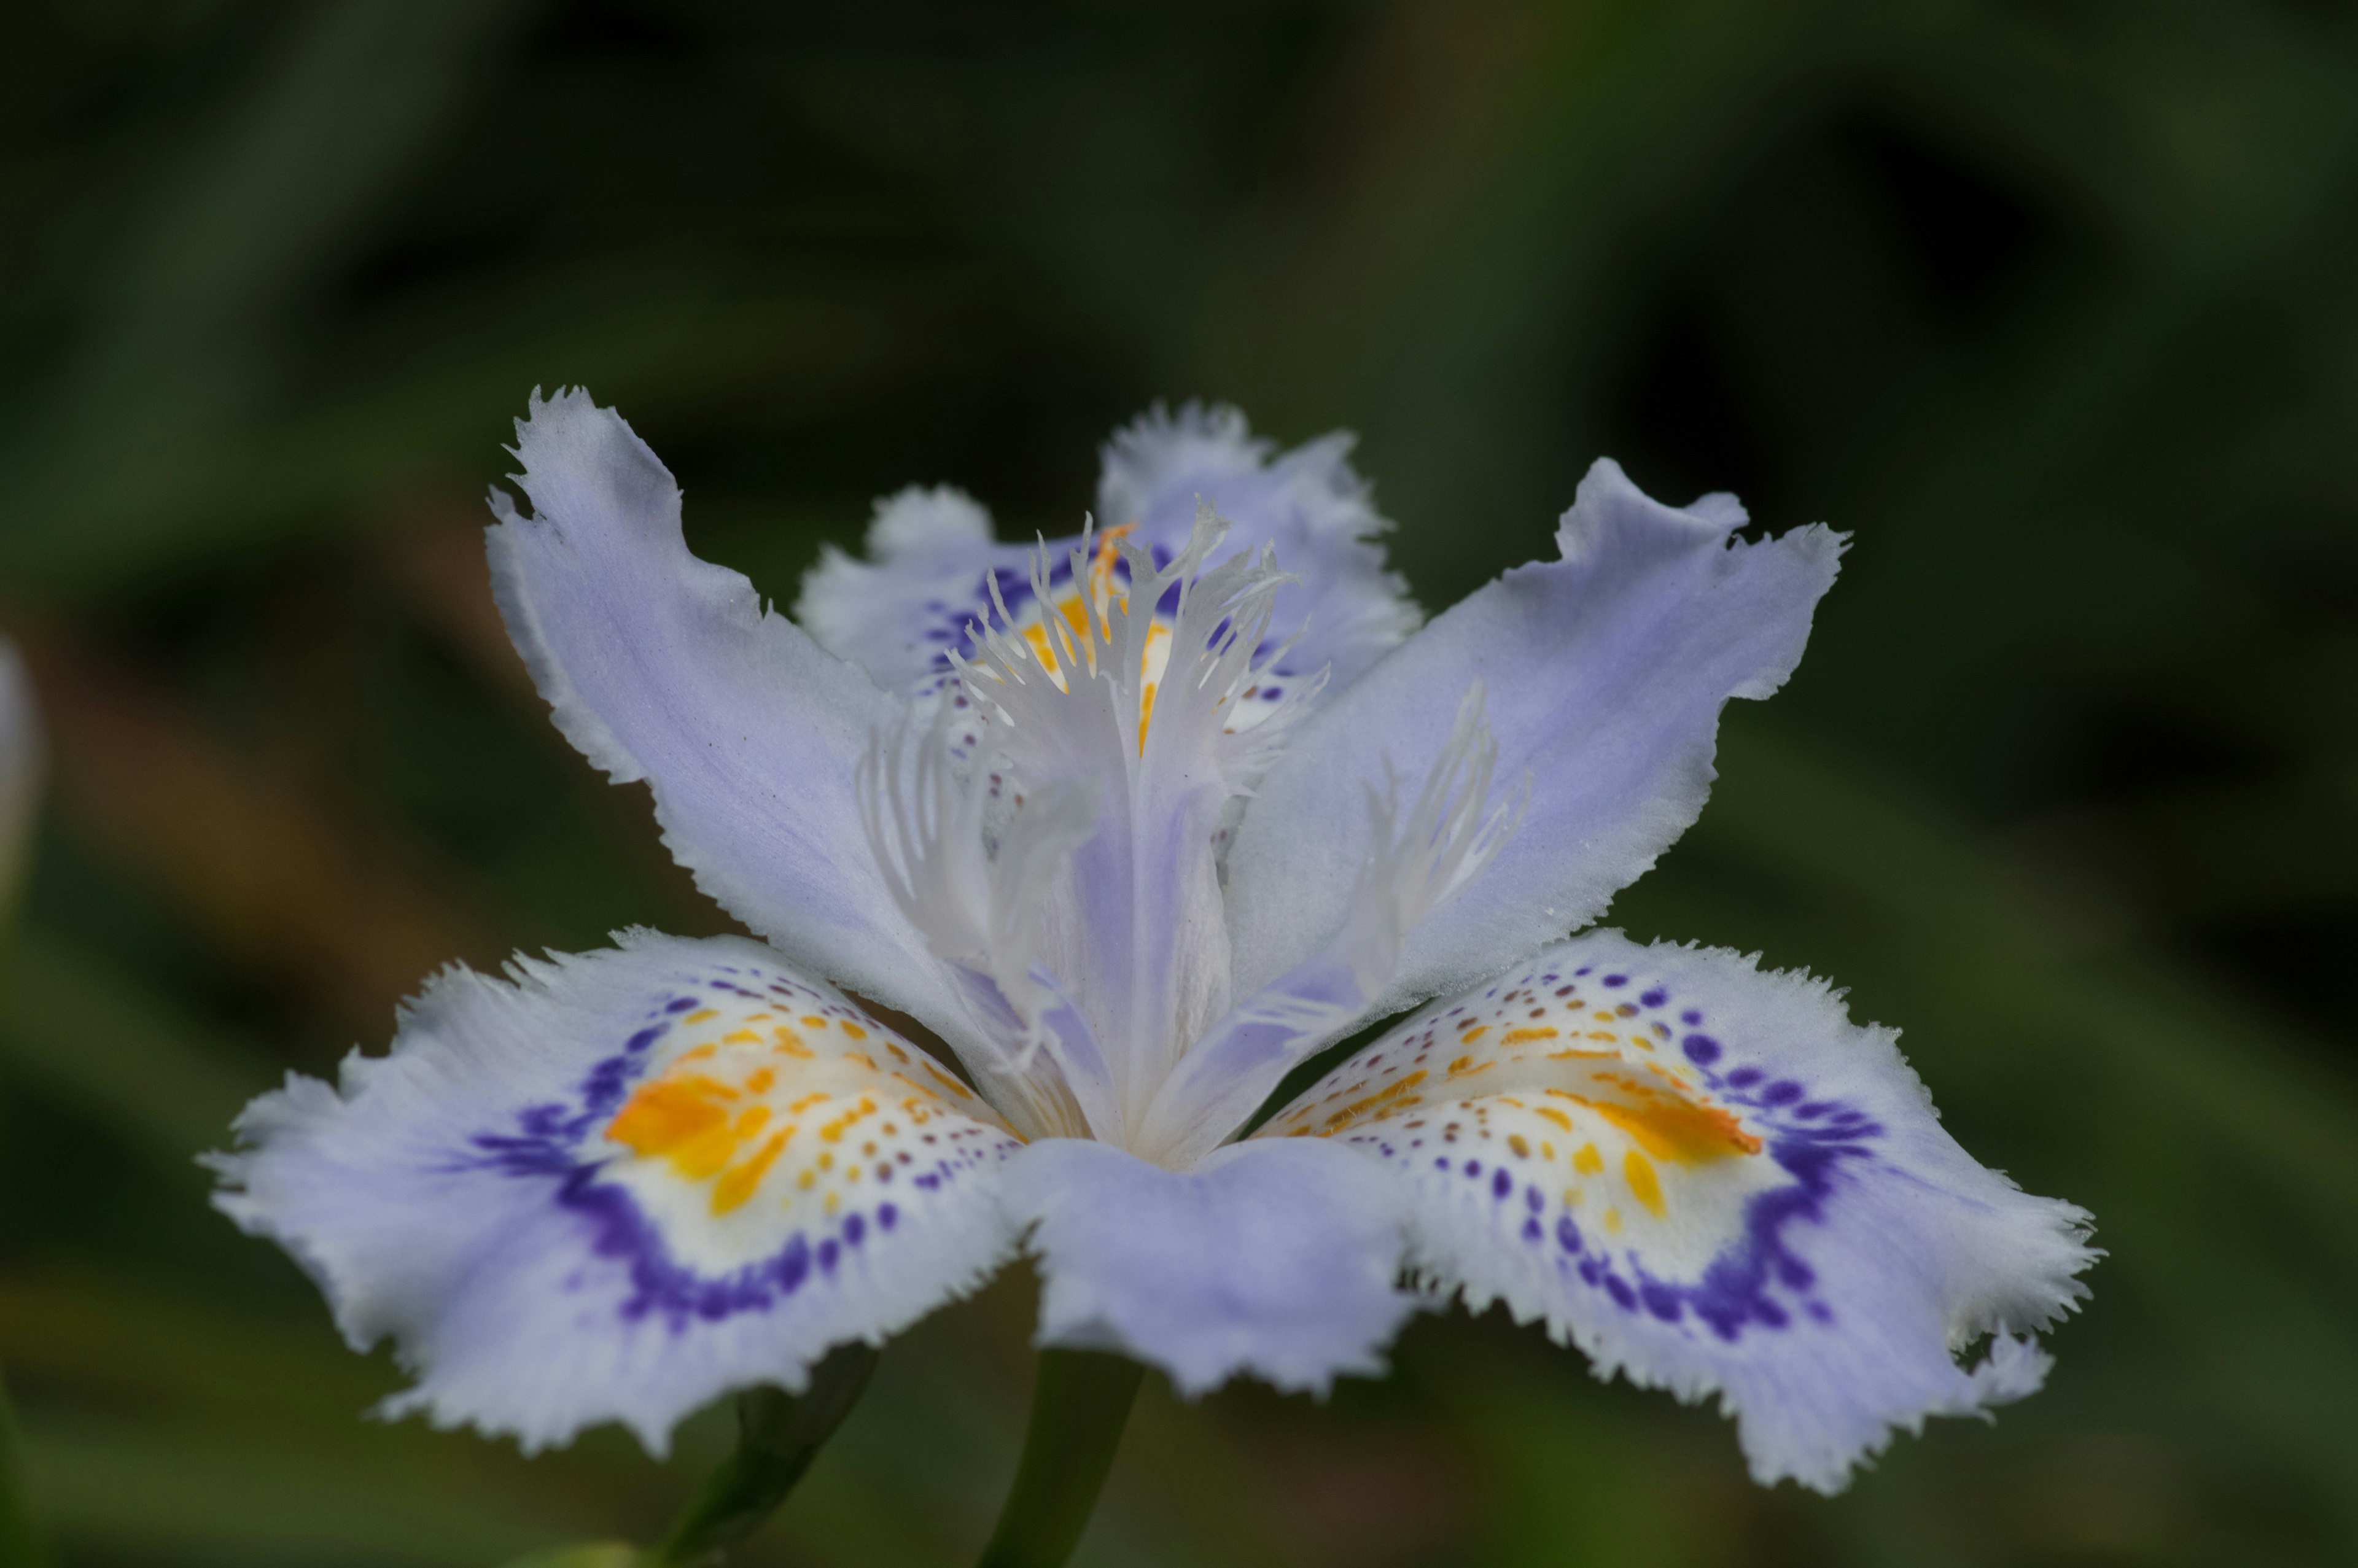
(1137, 823)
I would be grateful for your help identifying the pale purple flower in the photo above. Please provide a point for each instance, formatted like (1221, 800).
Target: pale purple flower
(1137, 823)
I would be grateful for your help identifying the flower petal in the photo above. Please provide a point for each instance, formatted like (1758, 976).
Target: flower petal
(899, 618)
(1605, 673)
(1277, 1259)
(664, 668)
(624, 1184)
(1421, 856)
(932, 562)
(1308, 503)
(1708, 1178)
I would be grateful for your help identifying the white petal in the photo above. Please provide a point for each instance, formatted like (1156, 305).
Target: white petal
(625, 1184)
(1604, 675)
(933, 565)
(1274, 1259)
(1308, 504)
(1709, 1179)
(1420, 860)
(1131, 704)
(898, 618)
(663, 667)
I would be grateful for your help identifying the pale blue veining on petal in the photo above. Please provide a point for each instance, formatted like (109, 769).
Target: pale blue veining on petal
(466, 1194)
(1272, 1260)
(933, 563)
(666, 668)
(1346, 610)
(1029, 796)
(1709, 1179)
(1605, 671)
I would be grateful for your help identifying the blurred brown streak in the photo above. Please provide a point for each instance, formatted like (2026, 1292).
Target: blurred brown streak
(433, 550)
(266, 870)
(1368, 1497)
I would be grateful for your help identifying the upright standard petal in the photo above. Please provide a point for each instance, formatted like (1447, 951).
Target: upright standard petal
(1274, 1259)
(933, 569)
(623, 1184)
(1344, 609)
(1708, 1178)
(899, 613)
(1605, 673)
(1133, 710)
(664, 668)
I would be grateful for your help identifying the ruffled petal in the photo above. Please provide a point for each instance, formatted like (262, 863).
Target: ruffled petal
(1345, 610)
(1710, 1179)
(1605, 673)
(664, 668)
(899, 617)
(933, 566)
(623, 1184)
(1275, 1260)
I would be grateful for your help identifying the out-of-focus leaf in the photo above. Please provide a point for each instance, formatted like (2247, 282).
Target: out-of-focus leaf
(84, 1029)
(230, 221)
(122, 1488)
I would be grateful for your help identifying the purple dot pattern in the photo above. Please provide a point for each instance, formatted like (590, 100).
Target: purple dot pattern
(1547, 1112)
(870, 1135)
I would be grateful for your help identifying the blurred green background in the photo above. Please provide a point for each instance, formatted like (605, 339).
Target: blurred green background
(2052, 303)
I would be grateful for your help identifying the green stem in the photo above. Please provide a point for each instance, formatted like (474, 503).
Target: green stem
(778, 1434)
(1078, 1406)
(20, 1547)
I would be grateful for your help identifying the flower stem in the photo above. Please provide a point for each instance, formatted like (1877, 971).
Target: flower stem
(1078, 1406)
(778, 1434)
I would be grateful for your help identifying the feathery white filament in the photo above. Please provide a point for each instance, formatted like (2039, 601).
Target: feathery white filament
(1414, 867)
(925, 825)
(980, 911)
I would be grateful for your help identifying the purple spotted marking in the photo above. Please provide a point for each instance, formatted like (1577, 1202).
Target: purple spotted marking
(1732, 1295)
(548, 1146)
